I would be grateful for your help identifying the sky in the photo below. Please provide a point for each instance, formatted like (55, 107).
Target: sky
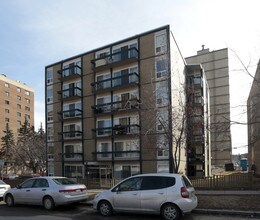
(36, 33)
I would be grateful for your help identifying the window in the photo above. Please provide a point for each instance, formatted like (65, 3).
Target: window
(7, 111)
(73, 151)
(103, 81)
(49, 94)
(157, 182)
(18, 89)
(160, 43)
(132, 184)
(27, 92)
(7, 85)
(104, 127)
(27, 108)
(161, 68)
(7, 120)
(7, 102)
(27, 184)
(49, 113)
(19, 114)
(27, 101)
(50, 132)
(49, 76)
(19, 98)
(27, 116)
(40, 183)
(7, 94)
(19, 106)
(162, 98)
(73, 171)
(19, 123)
(103, 150)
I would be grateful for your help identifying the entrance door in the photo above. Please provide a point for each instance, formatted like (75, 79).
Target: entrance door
(105, 177)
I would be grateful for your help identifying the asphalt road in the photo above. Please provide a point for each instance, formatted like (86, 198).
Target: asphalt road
(81, 212)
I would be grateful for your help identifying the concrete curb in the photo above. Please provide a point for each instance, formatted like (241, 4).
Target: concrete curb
(227, 212)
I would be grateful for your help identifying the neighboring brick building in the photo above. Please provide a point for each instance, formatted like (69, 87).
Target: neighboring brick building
(16, 104)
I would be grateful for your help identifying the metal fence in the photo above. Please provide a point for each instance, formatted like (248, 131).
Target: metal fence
(237, 181)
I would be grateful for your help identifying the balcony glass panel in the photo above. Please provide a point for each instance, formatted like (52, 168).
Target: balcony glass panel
(72, 92)
(72, 134)
(72, 113)
(71, 70)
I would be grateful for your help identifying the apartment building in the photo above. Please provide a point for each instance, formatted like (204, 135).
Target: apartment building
(198, 122)
(216, 67)
(17, 104)
(253, 120)
(109, 111)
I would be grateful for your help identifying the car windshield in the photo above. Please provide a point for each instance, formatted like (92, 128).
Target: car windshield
(64, 181)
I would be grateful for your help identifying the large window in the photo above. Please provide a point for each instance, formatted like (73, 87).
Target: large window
(74, 171)
(104, 150)
(73, 151)
(50, 94)
(161, 68)
(72, 110)
(160, 42)
(49, 76)
(124, 171)
(104, 127)
(49, 113)
(103, 81)
(162, 96)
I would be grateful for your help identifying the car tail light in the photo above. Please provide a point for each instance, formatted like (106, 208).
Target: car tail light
(67, 190)
(184, 192)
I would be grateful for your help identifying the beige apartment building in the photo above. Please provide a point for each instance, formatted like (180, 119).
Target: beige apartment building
(17, 103)
(253, 120)
(216, 67)
(109, 111)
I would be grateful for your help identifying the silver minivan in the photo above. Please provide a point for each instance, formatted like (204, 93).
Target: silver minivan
(169, 195)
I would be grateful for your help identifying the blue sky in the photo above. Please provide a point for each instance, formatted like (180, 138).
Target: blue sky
(36, 33)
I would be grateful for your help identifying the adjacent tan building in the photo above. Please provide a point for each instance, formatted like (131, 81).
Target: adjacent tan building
(16, 104)
(216, 67)
(253, 114)
(109, 110)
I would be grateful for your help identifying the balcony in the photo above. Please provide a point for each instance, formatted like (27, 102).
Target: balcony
(116, 59)
(71, 93)
(71, 72)
(126, 80)
(118, 155)
(71, 135)
(117, 130)
(71, 114)
(120, 106)
(73, 156)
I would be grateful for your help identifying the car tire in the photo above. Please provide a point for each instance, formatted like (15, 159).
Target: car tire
(170, 212)
(105, 208)
(48, 203)
(9, 200)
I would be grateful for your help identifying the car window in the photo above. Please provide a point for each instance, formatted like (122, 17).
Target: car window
(27, 184)
(1, 182)
(157, 182)
(41, 183)
(64, 181)
(131, 184)
(186, 181)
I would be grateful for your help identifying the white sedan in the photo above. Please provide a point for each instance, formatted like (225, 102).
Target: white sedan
(46, 191)
(3, 188)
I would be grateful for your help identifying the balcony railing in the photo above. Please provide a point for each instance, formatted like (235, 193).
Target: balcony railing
(74, 113)
(71, 93)
(73, 156)
(118, 155)
(70, 135)
(112, 59)
(119, 81)
(70, 72)
(117, 130)
(116, 106)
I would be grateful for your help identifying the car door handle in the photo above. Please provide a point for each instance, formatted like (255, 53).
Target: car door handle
(43, 189)
(134, 194)
(161, 193)
(28, 190)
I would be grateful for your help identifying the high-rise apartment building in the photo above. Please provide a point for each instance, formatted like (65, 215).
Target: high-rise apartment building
(198, 122)
(253, 120)
(17, 104)
(109, 111)
(216, 67)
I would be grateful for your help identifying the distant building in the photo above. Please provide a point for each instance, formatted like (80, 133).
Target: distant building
(253, 120)
(17, 104)
(198, 122)
(216, 67)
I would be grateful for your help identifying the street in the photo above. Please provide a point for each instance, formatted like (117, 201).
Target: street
(81, 211)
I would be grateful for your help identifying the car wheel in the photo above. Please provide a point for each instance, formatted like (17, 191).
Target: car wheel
(9, 200)
(170, 212)
(48, 203)
(105, 208)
